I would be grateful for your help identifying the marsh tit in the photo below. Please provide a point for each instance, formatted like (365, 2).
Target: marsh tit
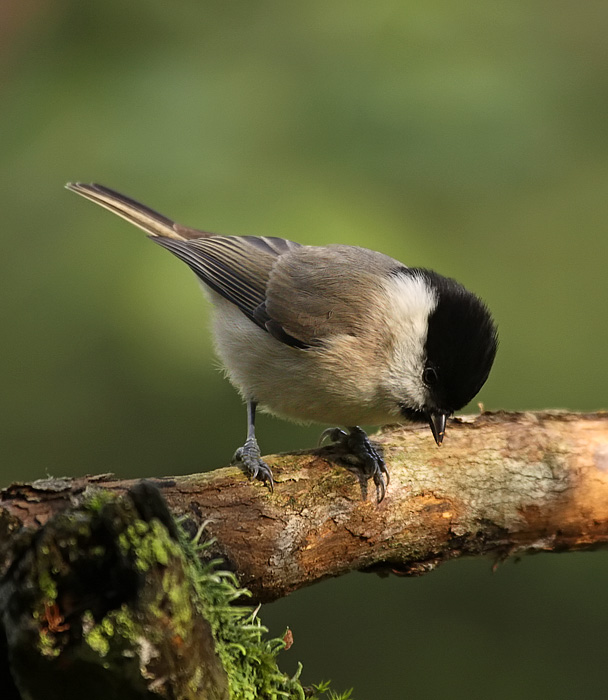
(332, 334)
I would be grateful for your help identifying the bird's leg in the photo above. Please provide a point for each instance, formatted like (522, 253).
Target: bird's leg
(361, 456)
(249, 456)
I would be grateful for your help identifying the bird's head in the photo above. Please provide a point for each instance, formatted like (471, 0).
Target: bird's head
(444, 350)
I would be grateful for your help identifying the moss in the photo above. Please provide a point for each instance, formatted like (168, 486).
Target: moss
(179, 595)
(125, 625)
(247, 654)
(96, 499)
(98, 641)
(175, 591)
(47, 645)
(149, 543)
(107, 626)
(117, 628)
(47, 585)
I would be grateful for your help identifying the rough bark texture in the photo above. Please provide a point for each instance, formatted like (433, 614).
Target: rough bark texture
(99, 603)
(502, 483)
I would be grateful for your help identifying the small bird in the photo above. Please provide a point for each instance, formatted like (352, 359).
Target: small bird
(332, 334)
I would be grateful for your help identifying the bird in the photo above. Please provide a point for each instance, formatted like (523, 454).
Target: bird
(335, 334)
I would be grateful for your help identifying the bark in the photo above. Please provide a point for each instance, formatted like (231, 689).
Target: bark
(502, 484)
(100, 603)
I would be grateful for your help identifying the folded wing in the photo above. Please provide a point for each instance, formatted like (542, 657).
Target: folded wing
(299, 294)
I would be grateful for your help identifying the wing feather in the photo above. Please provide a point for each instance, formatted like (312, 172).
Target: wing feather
(136, 213)
(236, 267)
(315, 293)
(301, 295)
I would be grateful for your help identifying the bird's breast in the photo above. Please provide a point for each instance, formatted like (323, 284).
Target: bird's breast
(333, 383)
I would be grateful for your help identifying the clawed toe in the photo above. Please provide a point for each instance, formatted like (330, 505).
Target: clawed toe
(381, 479)
(361, 456)
(333, 435)
(249, 457)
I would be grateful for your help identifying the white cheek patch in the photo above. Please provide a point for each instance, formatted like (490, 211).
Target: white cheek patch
(409, 303)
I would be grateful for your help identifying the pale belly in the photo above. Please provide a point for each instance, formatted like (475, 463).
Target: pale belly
(311, 385)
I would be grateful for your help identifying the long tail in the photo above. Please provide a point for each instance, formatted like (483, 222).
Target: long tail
(153, 223)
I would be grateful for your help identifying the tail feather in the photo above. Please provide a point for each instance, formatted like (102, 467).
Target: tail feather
(150, 221)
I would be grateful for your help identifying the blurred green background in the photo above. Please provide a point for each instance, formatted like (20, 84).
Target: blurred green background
(469, 137)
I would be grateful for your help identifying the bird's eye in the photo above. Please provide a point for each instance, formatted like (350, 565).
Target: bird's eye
(429, 376)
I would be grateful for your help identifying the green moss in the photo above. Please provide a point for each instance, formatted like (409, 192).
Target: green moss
(47, 645)
(149, 543)
(179, 593)
(47, 585)
(107, 626)
(117, 628)
(98, 641)
(247, 654)
(96, 499)
(125, 625)
(176, 594)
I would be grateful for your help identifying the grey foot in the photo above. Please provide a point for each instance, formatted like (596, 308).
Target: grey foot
(250, 458)
(361, 456)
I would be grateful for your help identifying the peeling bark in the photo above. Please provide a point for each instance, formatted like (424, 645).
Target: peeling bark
(502, 483)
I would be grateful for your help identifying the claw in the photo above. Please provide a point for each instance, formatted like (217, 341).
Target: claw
(333, 434)
(380, 487)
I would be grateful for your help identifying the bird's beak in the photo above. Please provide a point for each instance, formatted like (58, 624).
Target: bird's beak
(437, 423)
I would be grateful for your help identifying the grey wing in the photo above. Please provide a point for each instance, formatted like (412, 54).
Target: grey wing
(315, 293)
(301, 295)
(238, 268)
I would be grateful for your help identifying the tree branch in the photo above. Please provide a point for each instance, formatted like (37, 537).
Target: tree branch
(502, 483)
